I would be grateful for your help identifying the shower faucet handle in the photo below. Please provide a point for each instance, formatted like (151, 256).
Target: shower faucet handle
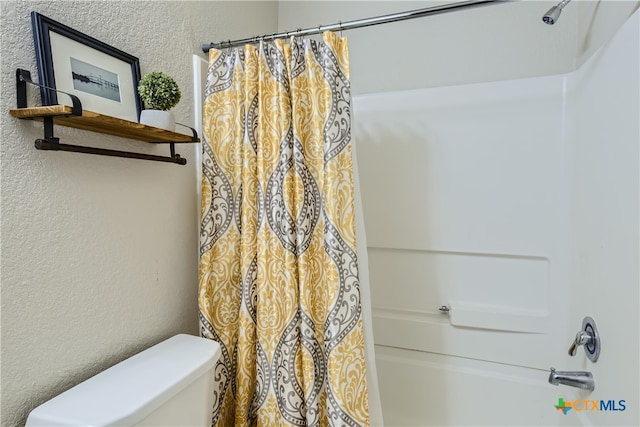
(582, 338)
(589, 338)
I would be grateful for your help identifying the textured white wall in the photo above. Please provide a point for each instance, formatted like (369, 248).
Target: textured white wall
(496, 42)
(597, 23)
(493, 43)
(99, 254)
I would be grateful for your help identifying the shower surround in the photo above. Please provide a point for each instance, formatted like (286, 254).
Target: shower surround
(514, 203)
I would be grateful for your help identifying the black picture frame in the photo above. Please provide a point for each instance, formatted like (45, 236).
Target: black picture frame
(104, 78)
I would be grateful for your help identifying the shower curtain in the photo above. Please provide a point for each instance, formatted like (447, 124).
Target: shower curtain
(278, 277)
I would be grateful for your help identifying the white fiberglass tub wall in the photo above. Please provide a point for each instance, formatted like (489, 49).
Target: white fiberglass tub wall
(510, 202)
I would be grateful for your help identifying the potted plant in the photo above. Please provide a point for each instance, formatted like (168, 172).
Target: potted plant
(160, 93)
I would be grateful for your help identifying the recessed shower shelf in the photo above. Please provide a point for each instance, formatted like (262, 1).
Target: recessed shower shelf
(76, 117)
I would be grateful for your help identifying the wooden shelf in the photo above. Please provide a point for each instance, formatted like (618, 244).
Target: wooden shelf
(76, 117)
(100, 123)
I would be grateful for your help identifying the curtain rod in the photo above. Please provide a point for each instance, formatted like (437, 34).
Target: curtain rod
(359, 23)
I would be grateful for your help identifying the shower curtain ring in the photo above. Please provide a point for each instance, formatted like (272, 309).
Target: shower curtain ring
(340, 26)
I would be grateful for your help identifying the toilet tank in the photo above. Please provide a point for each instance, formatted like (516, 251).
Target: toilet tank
(169, 384)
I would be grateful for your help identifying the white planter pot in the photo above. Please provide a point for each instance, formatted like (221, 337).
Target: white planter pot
(159, 119)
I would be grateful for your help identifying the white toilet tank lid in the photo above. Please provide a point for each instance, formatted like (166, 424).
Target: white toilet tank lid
(129, 391)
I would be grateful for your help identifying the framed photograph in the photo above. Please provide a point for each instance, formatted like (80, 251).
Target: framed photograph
(103, 77)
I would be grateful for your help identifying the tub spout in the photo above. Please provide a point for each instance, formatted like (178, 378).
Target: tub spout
(578, 379)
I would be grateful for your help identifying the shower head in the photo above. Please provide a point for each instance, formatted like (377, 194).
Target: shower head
(553, 14)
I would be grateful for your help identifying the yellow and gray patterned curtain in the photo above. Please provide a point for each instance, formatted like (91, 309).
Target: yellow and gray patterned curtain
(278, 276)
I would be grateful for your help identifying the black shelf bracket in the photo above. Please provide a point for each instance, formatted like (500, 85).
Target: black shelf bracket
(52, 143)
(48, 144)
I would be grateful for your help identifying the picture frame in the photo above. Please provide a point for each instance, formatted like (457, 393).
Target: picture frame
(104, 78)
